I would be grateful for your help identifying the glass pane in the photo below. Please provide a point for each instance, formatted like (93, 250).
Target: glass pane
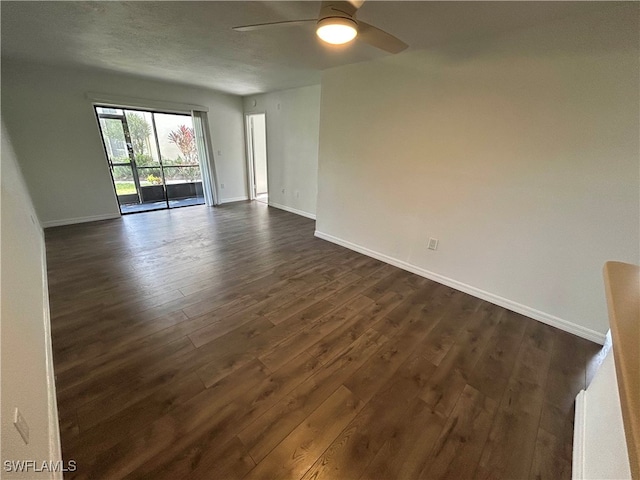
(184, 184)
(109, 110)
(140, 127)
(114, 141)
(150, 176)
(151, 184)
(177, 139)
(125, 185)
(182, 174)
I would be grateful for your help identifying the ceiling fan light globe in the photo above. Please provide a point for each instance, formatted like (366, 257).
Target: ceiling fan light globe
(337, 30)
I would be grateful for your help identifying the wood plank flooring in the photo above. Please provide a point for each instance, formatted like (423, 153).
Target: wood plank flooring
(230, 343)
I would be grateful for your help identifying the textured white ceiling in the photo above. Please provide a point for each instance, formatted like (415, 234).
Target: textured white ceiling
(192, 42)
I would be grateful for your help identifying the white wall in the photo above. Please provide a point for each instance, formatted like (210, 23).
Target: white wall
(600, 447)
(293, 118)
(26, 362)
(520, 155)
(56, 137)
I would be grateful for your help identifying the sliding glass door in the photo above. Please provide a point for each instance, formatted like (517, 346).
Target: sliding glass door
(180, 162)
(152, 157)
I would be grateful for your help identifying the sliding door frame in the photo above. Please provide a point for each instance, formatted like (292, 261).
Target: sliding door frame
(130, 151)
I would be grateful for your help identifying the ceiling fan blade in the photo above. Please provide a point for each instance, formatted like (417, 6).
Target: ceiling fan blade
(329, 8)
(286, 23)
(356, 3)
(379, 38)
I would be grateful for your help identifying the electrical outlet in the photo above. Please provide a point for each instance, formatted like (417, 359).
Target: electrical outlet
(283, 191)
(222, 185)
(297, 194)
(21, 425)
(433, 244)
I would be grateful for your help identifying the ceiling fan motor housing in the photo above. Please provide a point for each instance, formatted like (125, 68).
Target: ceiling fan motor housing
(337, 10)
(346, 21)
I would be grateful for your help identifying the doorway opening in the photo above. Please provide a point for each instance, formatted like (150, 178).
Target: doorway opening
(152, 157)
(257, 149)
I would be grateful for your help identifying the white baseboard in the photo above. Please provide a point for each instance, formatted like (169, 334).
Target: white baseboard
(312, 216)
(543, 317)
(232, 199)
(72, 221)
(577, 467)
(55, 450)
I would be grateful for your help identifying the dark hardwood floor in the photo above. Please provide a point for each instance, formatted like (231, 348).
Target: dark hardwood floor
(230, 343)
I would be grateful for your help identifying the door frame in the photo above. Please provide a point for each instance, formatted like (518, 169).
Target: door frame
(251, 181)
(129, 146)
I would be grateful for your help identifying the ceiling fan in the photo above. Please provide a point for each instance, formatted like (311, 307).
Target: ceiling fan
(336, 24)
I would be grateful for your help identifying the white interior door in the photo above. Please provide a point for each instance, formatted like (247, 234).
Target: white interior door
(257, 143)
